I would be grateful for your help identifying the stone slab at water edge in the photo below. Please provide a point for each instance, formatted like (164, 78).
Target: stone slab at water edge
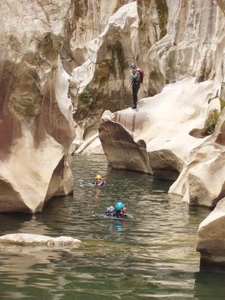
(37, 239)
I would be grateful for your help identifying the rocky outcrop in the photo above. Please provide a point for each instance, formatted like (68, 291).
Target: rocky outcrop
(37, 240)
(201, 181)
(121, 150)
(211, 236)
(101, 82)
(36, 124)
(164, 123)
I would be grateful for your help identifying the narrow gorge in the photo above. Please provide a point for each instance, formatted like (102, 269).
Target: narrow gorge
(65, 90)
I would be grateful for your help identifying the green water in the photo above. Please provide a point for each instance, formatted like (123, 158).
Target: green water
(150, 256)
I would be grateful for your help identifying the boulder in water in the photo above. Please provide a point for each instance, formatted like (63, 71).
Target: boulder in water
(37, 239)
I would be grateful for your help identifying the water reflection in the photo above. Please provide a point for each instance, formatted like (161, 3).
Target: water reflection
(118, 225)
(12, 222)
(209, 284)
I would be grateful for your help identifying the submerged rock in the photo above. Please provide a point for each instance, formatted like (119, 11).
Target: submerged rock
(36, 239)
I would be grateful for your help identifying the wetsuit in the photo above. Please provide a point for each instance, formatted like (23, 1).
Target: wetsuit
(102, 183)
(111, 212)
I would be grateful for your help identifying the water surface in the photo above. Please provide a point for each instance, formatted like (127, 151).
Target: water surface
(150, 256)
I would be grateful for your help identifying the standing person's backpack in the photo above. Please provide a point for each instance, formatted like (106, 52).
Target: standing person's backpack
(141, 76)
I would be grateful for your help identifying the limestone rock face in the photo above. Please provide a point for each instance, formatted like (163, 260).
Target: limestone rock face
(211, 236)
(170, 41)
(201, 181)
(36, 125)
(164, 124)
(181, 48)
(120, 148)
(100, 80)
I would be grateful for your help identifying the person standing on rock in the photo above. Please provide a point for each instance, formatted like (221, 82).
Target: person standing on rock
(135, 83)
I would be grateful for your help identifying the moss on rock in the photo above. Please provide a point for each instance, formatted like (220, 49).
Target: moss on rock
(162, 10)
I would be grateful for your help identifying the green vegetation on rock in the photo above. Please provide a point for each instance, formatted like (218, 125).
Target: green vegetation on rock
(162, 9)
(117, 52)
(213, 118)
(86, 98)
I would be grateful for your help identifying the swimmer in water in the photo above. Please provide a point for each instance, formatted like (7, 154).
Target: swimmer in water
(99, 181)
(118, 211)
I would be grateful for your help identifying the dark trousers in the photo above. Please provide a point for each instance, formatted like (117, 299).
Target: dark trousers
(135, 89)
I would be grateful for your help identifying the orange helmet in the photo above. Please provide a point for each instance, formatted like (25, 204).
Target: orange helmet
(98, 177)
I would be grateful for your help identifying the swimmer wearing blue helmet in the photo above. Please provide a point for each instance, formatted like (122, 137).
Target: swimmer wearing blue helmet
(118, 211)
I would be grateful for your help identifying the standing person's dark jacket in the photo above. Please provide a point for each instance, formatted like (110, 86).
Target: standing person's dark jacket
(135, 83)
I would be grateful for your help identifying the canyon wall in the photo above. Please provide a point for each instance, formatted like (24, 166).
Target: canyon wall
(64, 88)
(36, 124)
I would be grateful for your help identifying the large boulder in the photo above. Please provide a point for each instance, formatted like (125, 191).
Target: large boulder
(36, 124)
(211, 236)
(164, 124)
(201, 181)
(120, 148)
(205, 164)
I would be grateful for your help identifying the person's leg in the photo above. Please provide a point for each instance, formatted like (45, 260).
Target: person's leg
(135, 98)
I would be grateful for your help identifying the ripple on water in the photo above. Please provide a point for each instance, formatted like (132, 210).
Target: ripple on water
(150, 256)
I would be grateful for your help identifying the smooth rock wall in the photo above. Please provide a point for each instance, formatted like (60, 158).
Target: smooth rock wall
(36, 124)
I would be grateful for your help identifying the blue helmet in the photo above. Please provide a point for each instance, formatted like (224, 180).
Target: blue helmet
(119, 206)
(133, 66)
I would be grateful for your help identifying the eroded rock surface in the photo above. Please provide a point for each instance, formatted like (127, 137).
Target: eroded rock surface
(211, 236)
(184, 66)
(121, 150)
(164, 123)
(37, 239)
(36, 125)
(201, 181)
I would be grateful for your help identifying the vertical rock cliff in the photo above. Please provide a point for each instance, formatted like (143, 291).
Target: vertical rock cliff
(36, 125)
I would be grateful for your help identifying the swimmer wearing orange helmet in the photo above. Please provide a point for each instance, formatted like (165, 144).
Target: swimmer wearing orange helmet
(99, 181)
